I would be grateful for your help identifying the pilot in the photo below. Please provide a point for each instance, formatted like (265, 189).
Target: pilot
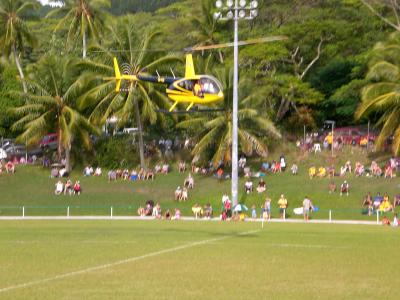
(197, 89)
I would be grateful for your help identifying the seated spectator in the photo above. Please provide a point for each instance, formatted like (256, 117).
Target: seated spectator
(377, 200)
(98, 172)
(112, 176)
(197, 211)
(331, 171)
(261, 186)
(277, 168)
(282, 163)
(157, 211)
(177, 215)
(342, 171)
(385, 206)
(344, 188)
(367, 200)
(59, 188)
(68, 188)
(10, 167)
(184, 196)
(141, 174)
(165, 168)
(359, 169)
(77, 188)
(332, 187)
(141, 212)
(247, 172)
(189, 182)
(396, 201)
(149, 208)
(150, 175)
(312, 172)
(167, 215)
(181, 167)
(220, 173)
(265, 167)
(125, 174)
(242, 162)
(208, 211)
(321, 172)
(157, 168)
(248, 186)
(134, 175)
(63, 172)
(118, 172)
(54, 173)
(178, 193)
(385, 221)
(87, 171)
(388, 172)
(347, 165)
(294, 169)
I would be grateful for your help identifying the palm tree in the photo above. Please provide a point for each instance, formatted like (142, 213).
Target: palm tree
(381, 96)
(142, 99)
(84, 17)
(205, 26)
(14, 32)
(51, 106)
(214, 132)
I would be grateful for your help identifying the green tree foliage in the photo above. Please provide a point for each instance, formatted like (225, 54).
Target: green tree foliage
(122, 7)
(213, 133)
(142, 99)
(14, 32)
(82, 18)
(8, 82)
(381, 96)
(50, 106)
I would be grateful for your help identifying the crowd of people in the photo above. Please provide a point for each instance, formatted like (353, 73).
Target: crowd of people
(379, 203)
(68, 188)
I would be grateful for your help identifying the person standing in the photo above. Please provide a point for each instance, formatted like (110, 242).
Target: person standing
(282, 203)
(307, 207)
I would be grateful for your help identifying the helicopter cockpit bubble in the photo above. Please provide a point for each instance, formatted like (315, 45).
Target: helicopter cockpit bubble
(210, 85)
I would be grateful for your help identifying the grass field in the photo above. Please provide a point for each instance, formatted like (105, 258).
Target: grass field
(196, 260)
(31, 187)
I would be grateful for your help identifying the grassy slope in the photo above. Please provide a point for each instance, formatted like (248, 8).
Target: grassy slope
(282, 261)
(31, 186)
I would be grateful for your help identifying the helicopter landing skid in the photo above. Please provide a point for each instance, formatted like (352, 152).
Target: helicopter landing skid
(191, 111)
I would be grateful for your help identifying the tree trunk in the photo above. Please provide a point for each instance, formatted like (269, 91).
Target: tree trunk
(84, 44)
(21, 73)
(59, 147)
(68, 158)
(140, 131)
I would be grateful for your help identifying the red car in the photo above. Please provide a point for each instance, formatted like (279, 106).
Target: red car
(49, 141)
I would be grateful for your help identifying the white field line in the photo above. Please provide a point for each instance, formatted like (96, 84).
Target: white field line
(349, 222)
(120, 262)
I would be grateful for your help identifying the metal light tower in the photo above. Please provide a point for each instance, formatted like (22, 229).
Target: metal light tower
(236, 10)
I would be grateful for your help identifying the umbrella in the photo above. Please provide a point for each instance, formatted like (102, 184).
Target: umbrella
(240, 207)
(56, 165)
(3, 154)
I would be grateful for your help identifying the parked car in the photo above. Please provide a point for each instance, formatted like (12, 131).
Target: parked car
(49, 141)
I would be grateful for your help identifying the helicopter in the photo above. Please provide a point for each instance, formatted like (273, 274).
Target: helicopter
(192, 88)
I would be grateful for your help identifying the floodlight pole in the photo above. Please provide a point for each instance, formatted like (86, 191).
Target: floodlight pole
(235, 12)
(235, 145)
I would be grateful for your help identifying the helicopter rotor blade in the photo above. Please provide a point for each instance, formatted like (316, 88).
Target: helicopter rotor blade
(240, 43)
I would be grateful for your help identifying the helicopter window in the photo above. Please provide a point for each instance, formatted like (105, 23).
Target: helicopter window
(186, 84)
(209, 86)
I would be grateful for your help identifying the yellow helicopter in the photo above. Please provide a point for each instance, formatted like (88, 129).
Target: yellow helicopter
(192, 88)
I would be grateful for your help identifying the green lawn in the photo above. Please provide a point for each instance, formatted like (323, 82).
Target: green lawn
(32, 187)
(196, 260)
